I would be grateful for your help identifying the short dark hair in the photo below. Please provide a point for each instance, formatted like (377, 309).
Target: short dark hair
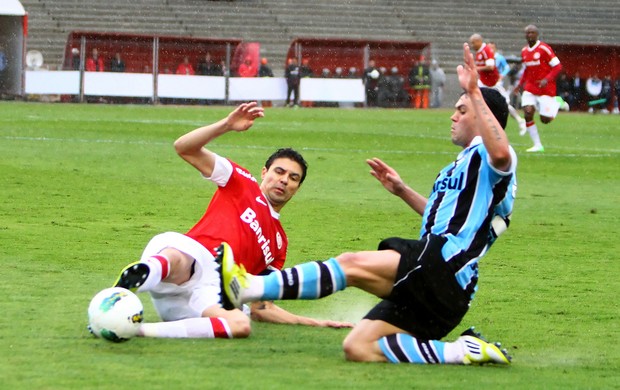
(291, 154)
(497, 104)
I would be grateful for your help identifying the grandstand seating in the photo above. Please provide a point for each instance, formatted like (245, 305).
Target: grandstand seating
(275, 23)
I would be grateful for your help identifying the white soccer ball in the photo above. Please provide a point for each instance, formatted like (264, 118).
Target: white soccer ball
(115, 314)
(374, 74)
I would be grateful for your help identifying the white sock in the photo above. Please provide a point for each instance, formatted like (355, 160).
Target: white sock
(533, 130)
(203, 327)
(454, 352)
(159, 268)
(255, 291)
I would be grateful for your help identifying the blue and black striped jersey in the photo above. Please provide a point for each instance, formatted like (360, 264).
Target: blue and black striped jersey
(466, 197)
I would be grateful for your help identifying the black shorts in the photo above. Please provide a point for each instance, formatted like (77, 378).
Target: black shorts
(426, 299)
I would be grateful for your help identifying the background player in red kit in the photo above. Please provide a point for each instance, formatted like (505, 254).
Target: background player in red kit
(178, 270)
(484, 57)
(542, 67)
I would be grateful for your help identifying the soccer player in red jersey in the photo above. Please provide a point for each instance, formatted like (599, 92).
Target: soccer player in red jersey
(484, 57)
(178, 270)
(485, 62)
(542, 67)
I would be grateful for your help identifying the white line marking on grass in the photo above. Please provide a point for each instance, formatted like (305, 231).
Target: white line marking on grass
(593, 153)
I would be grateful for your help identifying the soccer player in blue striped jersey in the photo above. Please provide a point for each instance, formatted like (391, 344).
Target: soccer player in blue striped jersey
(426, 284)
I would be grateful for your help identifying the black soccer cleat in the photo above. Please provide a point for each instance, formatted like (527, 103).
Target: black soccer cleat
(226, 303)
(133, 276)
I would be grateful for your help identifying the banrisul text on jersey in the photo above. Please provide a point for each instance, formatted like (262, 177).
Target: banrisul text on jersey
(249, 217)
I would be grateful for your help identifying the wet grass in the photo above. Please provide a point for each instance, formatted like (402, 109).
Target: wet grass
(84, 187)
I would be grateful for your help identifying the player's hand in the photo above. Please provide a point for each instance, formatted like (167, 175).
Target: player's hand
(468, 75)
(389, 178)
(334, 324)
(242, 118)
(542, 83)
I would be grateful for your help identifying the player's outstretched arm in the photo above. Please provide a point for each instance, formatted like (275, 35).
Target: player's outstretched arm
(391, 181)
(190, 146)
(493, 135)
(266, 311)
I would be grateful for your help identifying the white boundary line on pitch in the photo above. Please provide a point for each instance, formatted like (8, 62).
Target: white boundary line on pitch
(604, 152)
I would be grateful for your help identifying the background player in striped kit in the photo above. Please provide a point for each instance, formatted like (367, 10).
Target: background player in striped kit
(426, 284)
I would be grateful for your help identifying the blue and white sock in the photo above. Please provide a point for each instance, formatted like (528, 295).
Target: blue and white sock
(311, 280)
(404, 348)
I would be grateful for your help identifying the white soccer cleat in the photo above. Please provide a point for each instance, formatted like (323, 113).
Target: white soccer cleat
(522, 126)
(536, 149)
(235, 278)
(480, 351)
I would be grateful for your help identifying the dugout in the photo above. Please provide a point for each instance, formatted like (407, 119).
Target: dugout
(588, 60)
(331, 53)
(139, 51)
(13, 32)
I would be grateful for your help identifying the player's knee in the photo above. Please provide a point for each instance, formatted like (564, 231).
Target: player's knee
(349, 262)
(352, 350)
(240, 327)
(356, 350)
(545, 119)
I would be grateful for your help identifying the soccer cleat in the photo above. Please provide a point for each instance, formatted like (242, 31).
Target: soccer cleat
(234, 277)
(479, 351)
(133, 276)
(563, 104)
(536, 148)
(522, 126)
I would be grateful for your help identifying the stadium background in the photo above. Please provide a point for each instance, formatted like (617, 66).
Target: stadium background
(78, 184)
(585, 35)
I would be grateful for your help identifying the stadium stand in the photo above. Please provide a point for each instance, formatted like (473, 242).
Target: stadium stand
(275, 23)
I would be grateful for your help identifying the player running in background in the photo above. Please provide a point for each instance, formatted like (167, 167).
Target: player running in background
(178, 270)
(426, 284)
(542, 67)
(490, 73)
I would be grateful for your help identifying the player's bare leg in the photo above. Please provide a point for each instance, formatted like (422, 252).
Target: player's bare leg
(378, 341)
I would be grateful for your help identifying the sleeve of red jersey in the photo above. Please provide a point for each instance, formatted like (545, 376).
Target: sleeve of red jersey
(555, 71)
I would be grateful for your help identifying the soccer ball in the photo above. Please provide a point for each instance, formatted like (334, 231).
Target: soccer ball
(374, 74)
(115, 314)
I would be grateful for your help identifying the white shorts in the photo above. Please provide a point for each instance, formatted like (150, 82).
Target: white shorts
(188, 300)
(545, 105)
(499, 87)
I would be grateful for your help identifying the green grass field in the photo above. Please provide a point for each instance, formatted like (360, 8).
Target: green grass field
(84, 187)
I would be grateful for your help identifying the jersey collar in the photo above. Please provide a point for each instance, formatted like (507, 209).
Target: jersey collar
(273, 212)
(477, 140)
(533, 47)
